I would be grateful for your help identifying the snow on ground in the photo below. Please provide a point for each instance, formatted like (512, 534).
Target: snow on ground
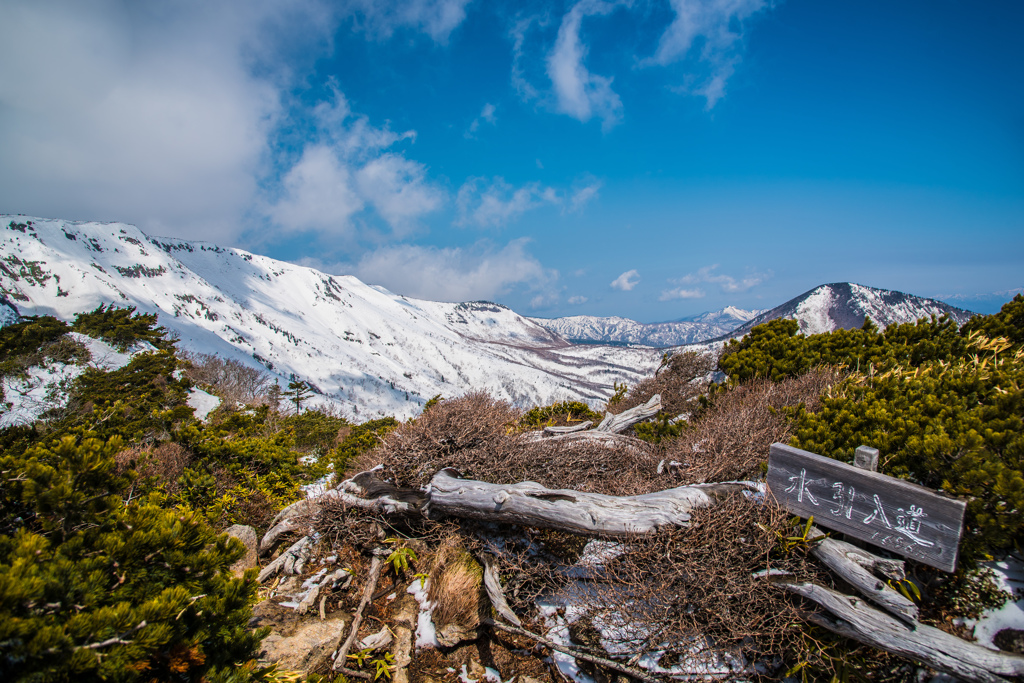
(363, 349)
(202, 403)
(426, 635)
(45, 387)
(1009, 576)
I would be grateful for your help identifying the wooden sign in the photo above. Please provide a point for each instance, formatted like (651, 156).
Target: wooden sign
(904, 518)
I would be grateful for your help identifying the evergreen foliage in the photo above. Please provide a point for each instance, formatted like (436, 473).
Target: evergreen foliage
(122, 327)
(776, 350)
(298, 391)
(360, 439)
(29, 335)
(944, 406)
(99, 586)
(564, 413)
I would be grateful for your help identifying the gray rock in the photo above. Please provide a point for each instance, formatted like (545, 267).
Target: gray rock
(247, 535)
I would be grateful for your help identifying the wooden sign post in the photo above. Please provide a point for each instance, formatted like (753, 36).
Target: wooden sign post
(904, 518)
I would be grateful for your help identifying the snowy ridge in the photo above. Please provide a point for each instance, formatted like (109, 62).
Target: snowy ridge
(362, 348)
(594, 329)
(845, 305)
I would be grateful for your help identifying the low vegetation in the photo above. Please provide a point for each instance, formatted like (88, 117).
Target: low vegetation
(111, 505)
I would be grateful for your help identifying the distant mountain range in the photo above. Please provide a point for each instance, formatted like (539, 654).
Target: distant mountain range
(362, 348)
(589, 329)
(366, 350)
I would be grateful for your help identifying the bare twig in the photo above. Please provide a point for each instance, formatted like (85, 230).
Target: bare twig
(610, 663)
(371, 583)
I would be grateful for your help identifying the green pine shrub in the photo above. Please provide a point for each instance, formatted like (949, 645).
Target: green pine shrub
(564, 413)
(121, 327)
(359, 439)
(98, 584)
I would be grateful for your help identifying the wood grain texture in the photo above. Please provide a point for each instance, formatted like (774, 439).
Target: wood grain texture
(897, 515)
(927, 644)
(628, 418)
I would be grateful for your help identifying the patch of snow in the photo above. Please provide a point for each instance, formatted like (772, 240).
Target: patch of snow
(1009, 577)
(426, 635)
(202, 403)
(557, 629)
(41, 389)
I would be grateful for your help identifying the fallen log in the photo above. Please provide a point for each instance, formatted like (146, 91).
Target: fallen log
(834, 555)
(628, 418)
(530, 504)
(854, 619)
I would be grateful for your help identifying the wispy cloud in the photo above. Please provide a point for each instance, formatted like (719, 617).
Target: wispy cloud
(486, 116)
(708, 275)
(577, 300)
(578, 92)
(381, 18)
(482, 271)
(681, 293)
(716, 28)
(627, 281)
(492, 203)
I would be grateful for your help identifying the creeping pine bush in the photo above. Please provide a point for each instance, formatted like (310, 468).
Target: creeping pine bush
(944, 406)
(96, 586)
(122, 327)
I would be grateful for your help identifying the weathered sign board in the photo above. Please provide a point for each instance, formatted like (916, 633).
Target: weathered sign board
(897, 515)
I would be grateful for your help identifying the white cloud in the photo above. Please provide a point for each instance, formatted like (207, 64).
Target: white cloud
(627, 281)
(726, 283)
(349, 168)
(436, 18)
(161, 114)
(495, 203)
(486, 116)
(455, 274)
(146, 112)
(577, 300)
(716, 26)
(318, 194)
(583, 195)
(578, 92)
(681, 293)
(398, 189)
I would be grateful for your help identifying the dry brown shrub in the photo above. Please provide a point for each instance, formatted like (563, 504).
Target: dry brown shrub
(679, 382)
(730, 439)
(232, 381)
(471, 433)
(679, 587)
(474, 435)
(166, 462)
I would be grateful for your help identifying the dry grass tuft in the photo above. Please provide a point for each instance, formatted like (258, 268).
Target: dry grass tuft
(456, 589)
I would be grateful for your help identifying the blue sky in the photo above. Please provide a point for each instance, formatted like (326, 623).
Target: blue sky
(646, 159)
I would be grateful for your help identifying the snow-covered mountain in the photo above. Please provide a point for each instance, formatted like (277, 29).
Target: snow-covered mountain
(593, 329)
(844, 305)
(363, 348)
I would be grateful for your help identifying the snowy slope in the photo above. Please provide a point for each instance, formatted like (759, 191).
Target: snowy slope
(591, 329)
(365, 349)
(844, 305)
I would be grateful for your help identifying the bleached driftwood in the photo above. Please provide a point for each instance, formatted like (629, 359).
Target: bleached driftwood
(628, 418)
(291, 561)
(853, 618)
(606, 439)
(530, 504)
(568, 429)
(376, 564)
(840, 558)
(494, 593)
